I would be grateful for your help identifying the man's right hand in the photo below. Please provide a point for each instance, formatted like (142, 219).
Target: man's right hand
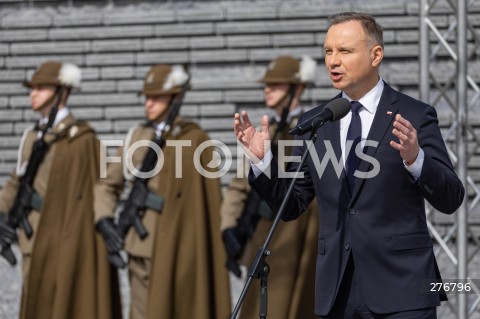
(8, 235)
(234, 242)
(113, 241)
(253, 141)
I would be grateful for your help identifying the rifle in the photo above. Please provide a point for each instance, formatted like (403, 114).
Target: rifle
(140, 198)
(26, 197)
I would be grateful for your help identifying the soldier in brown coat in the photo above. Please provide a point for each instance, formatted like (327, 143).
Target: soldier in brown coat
(176, 271)
(65, 270)
(246, 218)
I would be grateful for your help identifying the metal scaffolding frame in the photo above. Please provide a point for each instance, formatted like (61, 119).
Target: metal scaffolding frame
(437, 45)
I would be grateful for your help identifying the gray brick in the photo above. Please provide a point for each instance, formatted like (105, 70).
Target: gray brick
(103, 99)
(320, 39)
(388, 36)
(184, 29)
(216, 124)
(12, 88)
(225, 137)
(3, 101)
(110, 59)
(408, 22)
(438, 8)
(272, 26)
(124, 72)
(102, 126)
(12, 75)
(280, 40)
(19, 127)
(270, 54)
(98, 86)
(207, 42)
(245, 41)
(189, 111)
(90, 74)
(162, 57)
(88, 113)
(380, 8)
(141, 71)
(225, 83)
(10, 141)
(4, 49)
(10, 115)
(130, 85)
(403, 50)
(116, 45)
(35, 61)
(23, 35)
(7, 168)
(251, 12)
(129, 16)
(20, 102)
(244, 96)
(124, 126)
(50, 47)
(165, 44)
(218, 56)
(203, 97)
(111, 136)
(30, 115)
(6, 128)
(71, 17)
(201, 14)
(8, 155)
(27, 19)
(124, 112)
(100, 32)
(323, 94)
(299, 10)
(215, 110)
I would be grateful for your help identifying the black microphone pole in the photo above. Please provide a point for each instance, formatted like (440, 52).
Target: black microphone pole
(259, 269)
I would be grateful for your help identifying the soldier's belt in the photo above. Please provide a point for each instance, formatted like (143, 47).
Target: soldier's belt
(154, 201)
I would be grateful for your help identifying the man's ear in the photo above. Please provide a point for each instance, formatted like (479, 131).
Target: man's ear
(377, 55)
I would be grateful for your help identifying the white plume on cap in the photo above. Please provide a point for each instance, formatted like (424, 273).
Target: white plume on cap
(308, 67)
(70, 75)
(176, 77)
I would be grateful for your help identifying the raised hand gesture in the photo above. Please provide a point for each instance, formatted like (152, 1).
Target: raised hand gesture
(255, 142)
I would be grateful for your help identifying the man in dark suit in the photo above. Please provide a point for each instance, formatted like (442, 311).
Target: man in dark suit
(374, 249)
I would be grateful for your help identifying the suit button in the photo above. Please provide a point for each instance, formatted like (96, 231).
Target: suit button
(347, 247)
(352, 211)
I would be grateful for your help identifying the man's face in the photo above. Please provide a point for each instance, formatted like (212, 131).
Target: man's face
(156, 107)
(274, 93)
(351, 59)
(40, 95)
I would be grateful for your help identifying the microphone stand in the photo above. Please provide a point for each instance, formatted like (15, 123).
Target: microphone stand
(259, 269)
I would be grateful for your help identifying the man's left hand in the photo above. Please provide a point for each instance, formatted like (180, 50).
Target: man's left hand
(407, 135)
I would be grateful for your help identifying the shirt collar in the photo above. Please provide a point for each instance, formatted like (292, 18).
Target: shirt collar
(60, 116)
(370, 100)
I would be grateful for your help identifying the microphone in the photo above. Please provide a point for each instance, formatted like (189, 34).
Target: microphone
(333, 111)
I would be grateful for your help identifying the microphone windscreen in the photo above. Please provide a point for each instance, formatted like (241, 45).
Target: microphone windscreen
(339, 108)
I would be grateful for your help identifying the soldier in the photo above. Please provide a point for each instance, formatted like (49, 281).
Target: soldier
(175, 256)
(50, 195)
(246, 218)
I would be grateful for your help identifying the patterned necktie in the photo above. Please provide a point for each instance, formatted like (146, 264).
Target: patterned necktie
(354, 134)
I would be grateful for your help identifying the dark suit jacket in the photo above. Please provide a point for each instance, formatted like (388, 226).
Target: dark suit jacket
(382, 223)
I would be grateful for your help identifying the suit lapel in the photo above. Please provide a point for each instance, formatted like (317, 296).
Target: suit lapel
(384, 116)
